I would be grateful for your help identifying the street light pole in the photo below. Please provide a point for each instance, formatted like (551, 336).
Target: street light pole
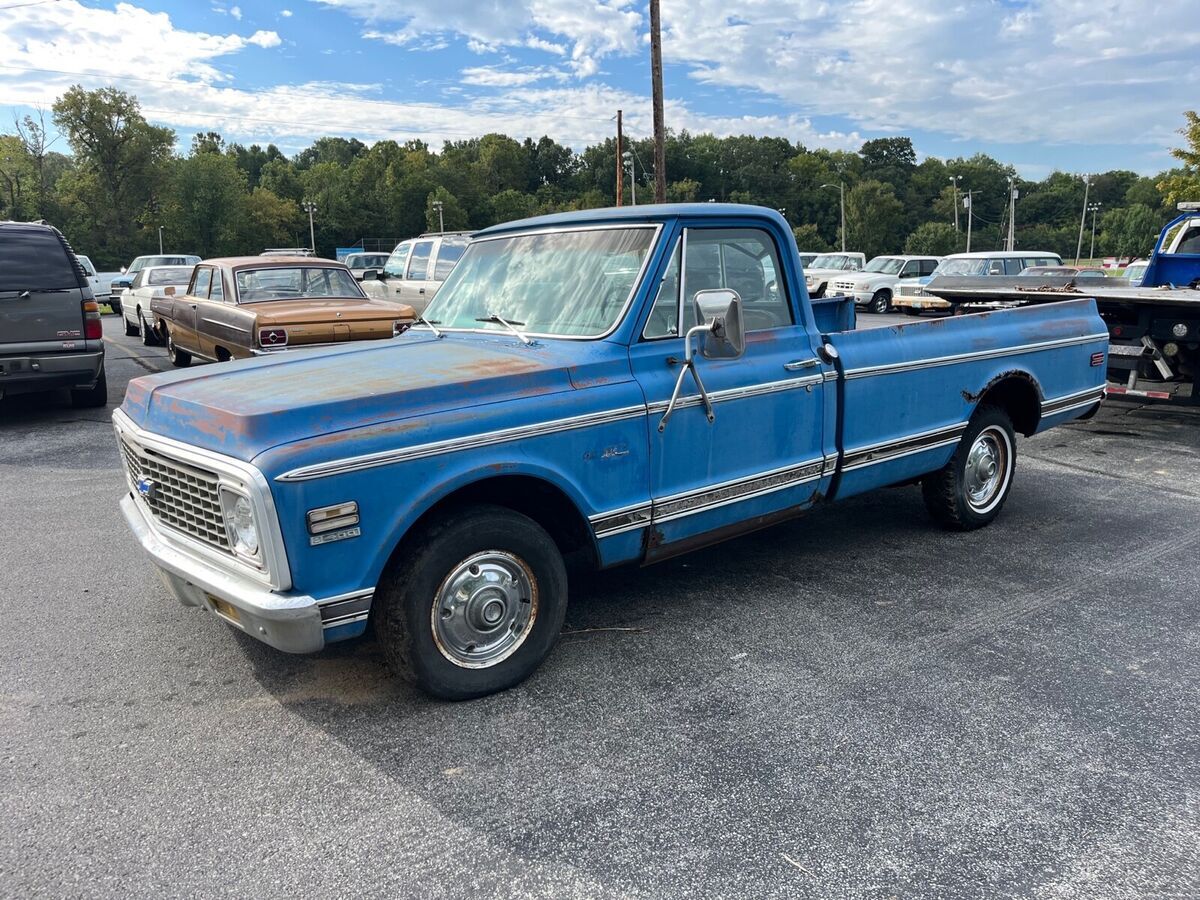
(970, 215)
(1094, 208)
(1087, 183)
(437, 204)
(311, 208)
(160, 249)
(628, 157)
(954, 179)
(656, 78)
(841, 186)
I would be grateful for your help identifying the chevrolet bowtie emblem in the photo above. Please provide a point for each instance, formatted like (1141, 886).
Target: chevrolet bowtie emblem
(147, 487)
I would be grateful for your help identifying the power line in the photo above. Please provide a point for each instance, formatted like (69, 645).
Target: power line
(22, 5)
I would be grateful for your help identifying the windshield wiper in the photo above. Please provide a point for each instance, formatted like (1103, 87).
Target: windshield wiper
(511, 326)
(424, 321)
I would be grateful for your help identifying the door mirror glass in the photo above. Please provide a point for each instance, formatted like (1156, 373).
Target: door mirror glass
(371, 275)
(721, 311)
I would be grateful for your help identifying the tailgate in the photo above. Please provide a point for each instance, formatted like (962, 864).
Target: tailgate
(40, 317)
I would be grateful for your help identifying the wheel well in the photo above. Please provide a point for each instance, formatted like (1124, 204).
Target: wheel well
(1016, 394)
(540, 500)
(223, 355)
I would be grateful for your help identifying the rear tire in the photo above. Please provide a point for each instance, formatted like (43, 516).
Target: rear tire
(131, 330)
(115, 306)
(90, 398)
(180, 359)
(149, 337)
(881, 302)
(970, 490)
(473, 604)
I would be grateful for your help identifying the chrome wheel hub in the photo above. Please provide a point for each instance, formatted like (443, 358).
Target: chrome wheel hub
(985, 470)
(484, 609)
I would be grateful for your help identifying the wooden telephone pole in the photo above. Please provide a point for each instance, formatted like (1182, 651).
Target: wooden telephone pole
(620, 162)
(660, 164)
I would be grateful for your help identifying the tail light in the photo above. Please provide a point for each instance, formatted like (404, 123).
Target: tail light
(93, 328)
(272, 337)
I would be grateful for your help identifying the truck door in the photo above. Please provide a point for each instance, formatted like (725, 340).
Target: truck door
(760, 457)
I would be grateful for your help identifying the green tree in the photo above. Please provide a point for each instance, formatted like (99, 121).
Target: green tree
(510, 205)
(1185, 184)
(1130, 231)
(271, 221)
(121, 167)
(206, 204)
(935, 239)
(873, 218)
(809, 239)
(453, 216)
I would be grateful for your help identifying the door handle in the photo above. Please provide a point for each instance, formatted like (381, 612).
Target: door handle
(798, 365)
(421, 291)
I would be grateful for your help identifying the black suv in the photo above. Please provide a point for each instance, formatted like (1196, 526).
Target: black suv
(50, 329)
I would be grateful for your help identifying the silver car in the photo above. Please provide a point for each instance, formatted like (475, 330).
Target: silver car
(416, 269)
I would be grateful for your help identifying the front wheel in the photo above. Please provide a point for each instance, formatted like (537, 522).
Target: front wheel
(473, 604)
(881, 302)
(969, 491)
(131, 329)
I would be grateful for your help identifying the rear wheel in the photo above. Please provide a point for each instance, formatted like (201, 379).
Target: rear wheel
(115, 306)
(92, 397)
(970, 490)
(131, 328)
(881, 302)
(179, 358)
(149, 338)
(474, 604)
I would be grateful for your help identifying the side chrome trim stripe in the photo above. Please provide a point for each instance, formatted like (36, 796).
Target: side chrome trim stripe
(892, 368)
(345, 608)
(470, 442)
(1085, 397)
(733, 492)
(870, 455)
(754, 390)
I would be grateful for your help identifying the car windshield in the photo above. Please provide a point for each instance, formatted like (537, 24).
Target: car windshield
(170, 275)
(829, 261)
(296, 283)
(888, 265)
(962, 267)
(568, 283)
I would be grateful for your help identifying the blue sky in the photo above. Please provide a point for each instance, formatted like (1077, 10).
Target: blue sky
(1044, 84)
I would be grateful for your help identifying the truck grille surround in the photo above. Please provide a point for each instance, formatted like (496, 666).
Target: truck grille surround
(183, 497)
(844, 285)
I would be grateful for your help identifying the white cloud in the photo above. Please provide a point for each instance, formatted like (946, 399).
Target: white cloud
(493, 76)
(264, 39)
(285, 13)
(236, 12)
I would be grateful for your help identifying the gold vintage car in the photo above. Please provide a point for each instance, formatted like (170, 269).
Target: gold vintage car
(245, 306)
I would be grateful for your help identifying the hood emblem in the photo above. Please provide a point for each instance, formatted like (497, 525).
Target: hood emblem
(147, 487)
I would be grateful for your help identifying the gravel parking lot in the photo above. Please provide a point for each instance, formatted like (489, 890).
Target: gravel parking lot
(852, 705)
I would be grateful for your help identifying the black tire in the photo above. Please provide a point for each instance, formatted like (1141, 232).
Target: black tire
(947, 491)
(881, 302)
(130, 330)
(819, 292)
(115, 306)
(911, 311)
(90, 398)
(409, 592)
(149, 337)
(180, 359)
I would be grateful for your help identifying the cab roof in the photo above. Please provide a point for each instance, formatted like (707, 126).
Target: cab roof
(651, 213)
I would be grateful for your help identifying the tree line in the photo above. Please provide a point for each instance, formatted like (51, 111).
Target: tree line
(123, 180)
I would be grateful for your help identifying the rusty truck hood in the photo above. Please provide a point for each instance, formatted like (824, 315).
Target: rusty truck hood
(245, 407)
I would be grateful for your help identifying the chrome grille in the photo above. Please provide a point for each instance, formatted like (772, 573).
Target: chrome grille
(184, 498)
(844, 285)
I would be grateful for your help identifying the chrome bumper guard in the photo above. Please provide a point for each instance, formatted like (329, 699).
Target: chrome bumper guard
(288, 622)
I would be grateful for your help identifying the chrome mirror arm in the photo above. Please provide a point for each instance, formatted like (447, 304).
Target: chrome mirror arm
(689, 365)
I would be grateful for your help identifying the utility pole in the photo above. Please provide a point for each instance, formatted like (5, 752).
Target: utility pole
(311, 208)
(1094, 208)
(437, 204)
(160, 249)
(660, 157)
(1087, 183)
(954, 180)
(970, 214)
(620, 162)
(1012, 212)
(628, 157)
(841, 186)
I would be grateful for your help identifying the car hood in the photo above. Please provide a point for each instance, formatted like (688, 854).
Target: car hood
(245, 407)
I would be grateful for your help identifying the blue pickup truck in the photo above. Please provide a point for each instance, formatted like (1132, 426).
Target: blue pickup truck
(612, 386)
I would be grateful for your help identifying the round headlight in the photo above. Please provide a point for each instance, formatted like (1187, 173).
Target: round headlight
(1179, 329)
(239, 523)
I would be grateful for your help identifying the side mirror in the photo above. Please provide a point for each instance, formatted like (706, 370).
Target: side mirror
(369, 275)
(721, 311)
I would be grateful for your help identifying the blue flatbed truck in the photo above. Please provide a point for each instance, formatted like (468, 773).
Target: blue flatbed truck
(616, 386)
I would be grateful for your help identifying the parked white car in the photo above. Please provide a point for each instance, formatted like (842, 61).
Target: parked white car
(828, 266)
(150, 282)
(876, 285)
(416, 269)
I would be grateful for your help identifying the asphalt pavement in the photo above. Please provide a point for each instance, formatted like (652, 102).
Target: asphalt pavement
(855, 704)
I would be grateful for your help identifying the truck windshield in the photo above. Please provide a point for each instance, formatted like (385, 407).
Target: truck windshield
(829, 261)
(888, 265)
(554, 283)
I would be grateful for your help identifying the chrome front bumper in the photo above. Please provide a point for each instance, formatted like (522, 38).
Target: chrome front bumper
(288, 622)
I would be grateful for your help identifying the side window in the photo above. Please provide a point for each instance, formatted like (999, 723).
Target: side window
(448, 256)
(927, 266)
(744, 260)
(418, 263)
(202, 282)
(664, 314)
(394, 267)
(1014, 266)
(911, 269)
(218, 287)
